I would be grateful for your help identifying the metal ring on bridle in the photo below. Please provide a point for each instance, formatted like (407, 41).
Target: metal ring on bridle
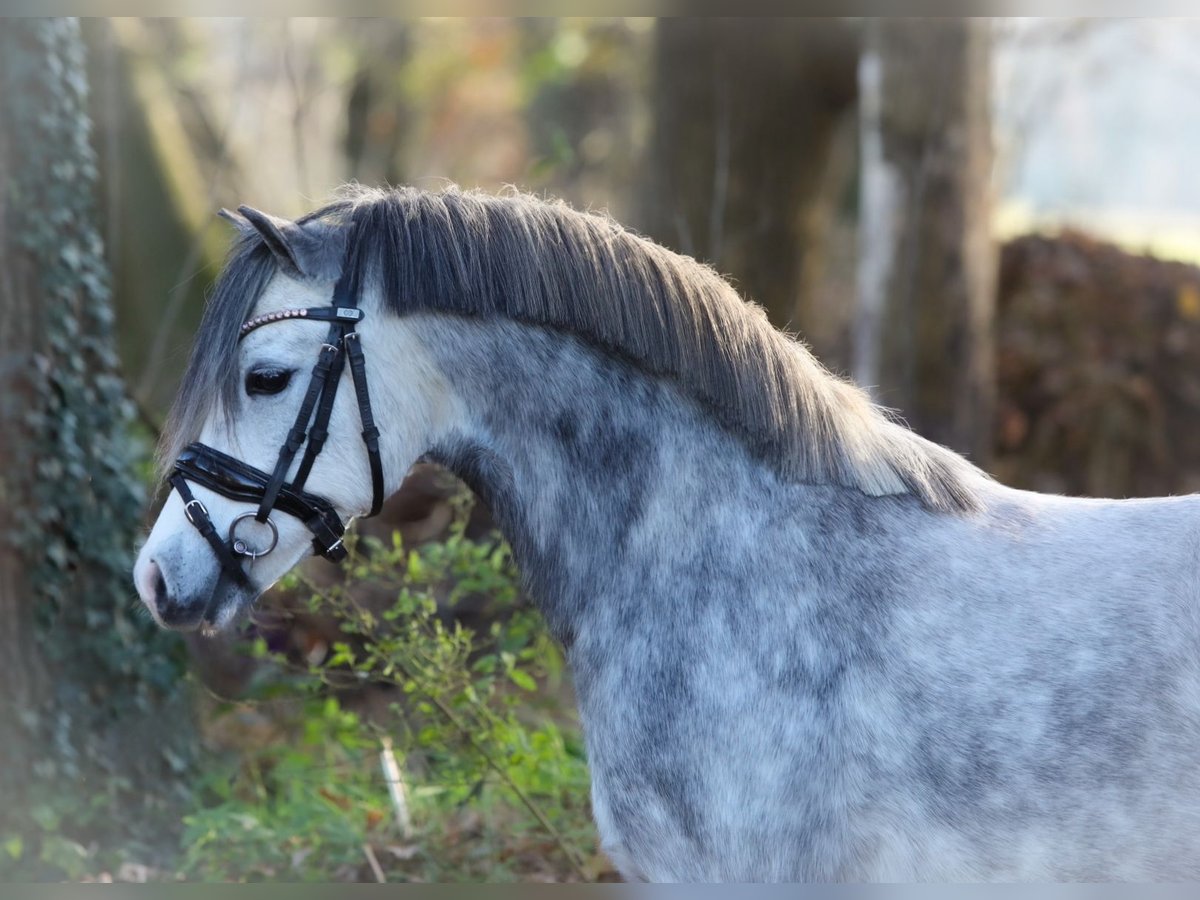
(241, 548)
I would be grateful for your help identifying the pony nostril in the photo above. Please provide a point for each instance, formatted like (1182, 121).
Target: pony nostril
(169, 611)
(150, 584)
(160, 587)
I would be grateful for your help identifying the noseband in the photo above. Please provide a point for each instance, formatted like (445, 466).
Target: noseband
(236, 480)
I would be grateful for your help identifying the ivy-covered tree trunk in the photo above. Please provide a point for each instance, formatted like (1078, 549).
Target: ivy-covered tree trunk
(21, 673)
(84, 682)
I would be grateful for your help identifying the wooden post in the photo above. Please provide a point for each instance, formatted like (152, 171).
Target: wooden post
(923, 332)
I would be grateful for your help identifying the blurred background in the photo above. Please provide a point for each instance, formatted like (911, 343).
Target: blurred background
(992, 224)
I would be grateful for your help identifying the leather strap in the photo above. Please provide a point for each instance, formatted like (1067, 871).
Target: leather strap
(299, 431)
(320, 426)
(197, 514)
(370, 434)
(346, 314)
(237, 480)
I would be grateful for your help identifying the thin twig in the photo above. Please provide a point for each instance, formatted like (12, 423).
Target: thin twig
(567, 848)
(299, 105)
(374, 862)
(395, 782)
(371, 631)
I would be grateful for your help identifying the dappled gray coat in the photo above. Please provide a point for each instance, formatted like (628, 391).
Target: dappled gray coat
(859, 659)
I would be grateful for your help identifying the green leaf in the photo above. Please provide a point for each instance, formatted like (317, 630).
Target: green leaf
(14, 847)
(523, 680)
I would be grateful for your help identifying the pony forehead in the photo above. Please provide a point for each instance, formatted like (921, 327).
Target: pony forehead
(285, 292)
(285, 298)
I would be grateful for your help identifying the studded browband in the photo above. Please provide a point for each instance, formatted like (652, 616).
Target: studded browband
(349, 314)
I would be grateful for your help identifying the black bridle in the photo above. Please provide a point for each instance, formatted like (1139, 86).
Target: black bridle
(236, 480)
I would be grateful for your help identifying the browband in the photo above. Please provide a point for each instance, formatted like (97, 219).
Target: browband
(348, 314)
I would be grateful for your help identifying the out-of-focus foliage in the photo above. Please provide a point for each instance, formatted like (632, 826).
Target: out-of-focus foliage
(196, 114)
(1096, 355)
(497, 789)
(581, 81)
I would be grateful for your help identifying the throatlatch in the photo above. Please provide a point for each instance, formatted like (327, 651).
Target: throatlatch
(236, 480)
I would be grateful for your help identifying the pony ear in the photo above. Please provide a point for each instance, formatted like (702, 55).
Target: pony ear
(236, 219)
(310, 250)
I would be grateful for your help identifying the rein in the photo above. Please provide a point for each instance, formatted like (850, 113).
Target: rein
(237, 480)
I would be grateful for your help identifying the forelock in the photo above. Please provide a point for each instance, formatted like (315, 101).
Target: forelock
(209, 385)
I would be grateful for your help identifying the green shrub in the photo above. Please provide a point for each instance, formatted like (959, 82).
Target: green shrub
(497, 783)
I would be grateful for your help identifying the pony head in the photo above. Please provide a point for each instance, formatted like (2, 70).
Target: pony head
(277, 372)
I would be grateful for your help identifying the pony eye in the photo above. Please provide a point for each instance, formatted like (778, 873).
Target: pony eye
(267, 381)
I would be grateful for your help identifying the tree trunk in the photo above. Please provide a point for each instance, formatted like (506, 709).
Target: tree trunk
(84, 685)
(744, 115)
(923, 336)
(378, 109)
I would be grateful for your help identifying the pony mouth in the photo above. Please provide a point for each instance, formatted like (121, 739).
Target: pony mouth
(226, 604)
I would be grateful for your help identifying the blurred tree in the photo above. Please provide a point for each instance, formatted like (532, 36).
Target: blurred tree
(158, 142)
(580, 79)
(378, 113)
(923, 336)
(744, 112)
(85, 684)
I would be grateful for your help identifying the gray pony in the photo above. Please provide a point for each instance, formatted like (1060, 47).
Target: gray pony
(807, 643)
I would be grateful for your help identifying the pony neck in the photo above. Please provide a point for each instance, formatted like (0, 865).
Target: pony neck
(589, 465)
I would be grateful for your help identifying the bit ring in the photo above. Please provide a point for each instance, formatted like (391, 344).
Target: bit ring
(241, 548)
